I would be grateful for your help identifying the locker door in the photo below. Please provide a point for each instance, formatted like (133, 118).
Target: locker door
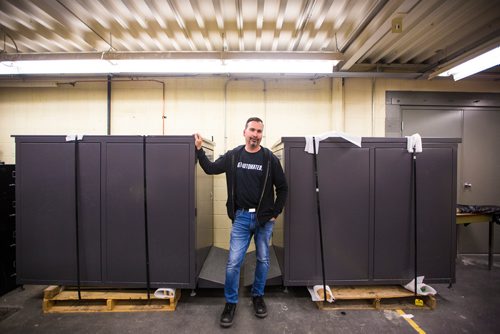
(125, 246)
(45, 213)
(393, 257)
(170, 212)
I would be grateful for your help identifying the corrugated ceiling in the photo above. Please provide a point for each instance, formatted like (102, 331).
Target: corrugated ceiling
(402, 36)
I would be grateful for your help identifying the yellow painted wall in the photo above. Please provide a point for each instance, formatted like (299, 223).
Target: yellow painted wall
(49, 111)
(215, 107)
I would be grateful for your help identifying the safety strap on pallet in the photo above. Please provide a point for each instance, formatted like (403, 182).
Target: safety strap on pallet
(146, 215)
(319, 218)
(77, 219)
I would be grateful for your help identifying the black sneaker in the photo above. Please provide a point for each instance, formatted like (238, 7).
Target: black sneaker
(259, 306)
(226, 318)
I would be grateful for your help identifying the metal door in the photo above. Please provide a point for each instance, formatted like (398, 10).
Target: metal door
(435, 123)
(478, 159)
(480, 179)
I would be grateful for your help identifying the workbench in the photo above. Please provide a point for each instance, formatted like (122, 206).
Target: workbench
(471, 218)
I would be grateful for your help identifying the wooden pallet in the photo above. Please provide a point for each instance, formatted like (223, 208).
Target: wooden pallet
(375, 297)
(60, 299)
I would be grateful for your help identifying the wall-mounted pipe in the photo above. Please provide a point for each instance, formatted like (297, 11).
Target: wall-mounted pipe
(163, 99)
(109, 106)
(373, 107)
(264, 90)
(225, 113)
(332, 110)
(343, 103)
(225, 108)
(163, 111)
(109, 93)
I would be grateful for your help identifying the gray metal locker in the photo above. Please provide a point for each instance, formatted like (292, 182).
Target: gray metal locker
(366, 201)
(111, 217)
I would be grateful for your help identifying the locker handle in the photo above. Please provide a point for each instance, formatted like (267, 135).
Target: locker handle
(12, 215)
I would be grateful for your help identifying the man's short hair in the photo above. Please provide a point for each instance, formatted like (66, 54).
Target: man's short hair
(253, 119)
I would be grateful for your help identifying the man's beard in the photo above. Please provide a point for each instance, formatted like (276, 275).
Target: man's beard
(254, 142)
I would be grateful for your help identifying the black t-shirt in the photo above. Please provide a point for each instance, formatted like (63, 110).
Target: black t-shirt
(249, 172)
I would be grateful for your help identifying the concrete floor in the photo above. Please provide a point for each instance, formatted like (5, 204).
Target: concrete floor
(472, 305)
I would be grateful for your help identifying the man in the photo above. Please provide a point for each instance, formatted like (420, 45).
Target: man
(253, 176)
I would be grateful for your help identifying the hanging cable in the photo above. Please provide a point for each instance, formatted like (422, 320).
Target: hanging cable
(77, 220)
(319, 218)
(12, 39)
(85, 23)
(415, 241)
(148, 281)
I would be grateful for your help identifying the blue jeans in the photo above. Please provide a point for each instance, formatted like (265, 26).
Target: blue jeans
(244, 226)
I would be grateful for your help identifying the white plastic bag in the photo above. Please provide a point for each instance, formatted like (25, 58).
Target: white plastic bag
(316, 293)
(163, 293)
(422, 288)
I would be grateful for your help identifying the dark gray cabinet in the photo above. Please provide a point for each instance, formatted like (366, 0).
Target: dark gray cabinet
(366, 206)
(7, 229)
(111, 210)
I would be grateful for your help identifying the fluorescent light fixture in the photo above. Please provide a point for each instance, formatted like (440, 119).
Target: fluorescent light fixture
(475, 65)
(166, 66)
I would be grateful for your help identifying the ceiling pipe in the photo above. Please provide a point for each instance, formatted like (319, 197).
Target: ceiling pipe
(119, 55)
(7, 81)
(85, 24)
(6, 34)
(303, 19)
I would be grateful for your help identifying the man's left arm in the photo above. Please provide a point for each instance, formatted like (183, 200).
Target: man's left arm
(281, 186)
